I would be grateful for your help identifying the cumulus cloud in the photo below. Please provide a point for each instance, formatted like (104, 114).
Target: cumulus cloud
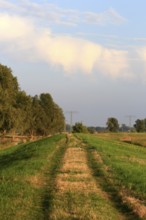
(76, 54)
(22, 39)
(12, 27)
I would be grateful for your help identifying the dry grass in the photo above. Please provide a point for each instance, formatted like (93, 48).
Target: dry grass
(80, 186)
(77, 193)
(36, 181)
(133, 159)
(97, 157)
(75, 173)
(136, 205)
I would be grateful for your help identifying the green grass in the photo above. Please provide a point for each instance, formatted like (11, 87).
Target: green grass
(129, 137)
(26, 174)
(87, 201)
(29, 174)
(76, 205)
(123, 167)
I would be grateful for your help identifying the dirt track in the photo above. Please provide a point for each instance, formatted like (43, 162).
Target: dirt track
(75, 181)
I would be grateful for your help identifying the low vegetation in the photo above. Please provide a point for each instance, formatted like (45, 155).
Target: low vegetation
(128, 137)
(73, 176)
(122, 167)
(78, 195)
(27, 173)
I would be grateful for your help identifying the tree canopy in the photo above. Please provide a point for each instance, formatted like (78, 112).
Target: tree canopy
(80, 128)
(112, 124)
(24, 114)
(140, 125)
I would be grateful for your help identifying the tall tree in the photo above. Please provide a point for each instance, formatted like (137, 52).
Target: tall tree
(25, 114)
(54, 114)
(112, 124)
(8, 92)
(139, 125)
(80, 128)
(39, 118)
(24, 110)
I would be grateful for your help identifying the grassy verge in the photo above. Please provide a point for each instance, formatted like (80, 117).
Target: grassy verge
(25, 177)
(122, 167)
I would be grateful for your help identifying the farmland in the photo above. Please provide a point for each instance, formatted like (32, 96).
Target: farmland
(80, 176)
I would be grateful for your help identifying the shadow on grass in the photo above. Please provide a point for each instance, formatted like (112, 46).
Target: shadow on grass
(24, 152)
(108, 187)
(50, 189)
(21, 153)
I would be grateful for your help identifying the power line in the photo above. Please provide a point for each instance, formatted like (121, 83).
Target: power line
(71, 118)
(130, 117)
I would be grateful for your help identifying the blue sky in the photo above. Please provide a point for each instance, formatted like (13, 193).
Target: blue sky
(89, 55)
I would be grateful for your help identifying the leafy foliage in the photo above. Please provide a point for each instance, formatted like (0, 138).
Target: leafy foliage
(140, 125)
(80, 128)
(112, 124)
(24, 114)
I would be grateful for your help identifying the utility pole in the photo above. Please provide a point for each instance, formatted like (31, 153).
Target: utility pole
(71, 118)
(130, 120)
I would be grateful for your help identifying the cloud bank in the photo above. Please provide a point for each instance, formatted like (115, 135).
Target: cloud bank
(21, 38)
(78, 55)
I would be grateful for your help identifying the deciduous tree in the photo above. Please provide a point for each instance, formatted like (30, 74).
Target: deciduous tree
(80, 128)
(112, 124)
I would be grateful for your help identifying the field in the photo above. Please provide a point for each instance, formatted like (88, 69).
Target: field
(80, 176)
(26, 178)
(122, 168)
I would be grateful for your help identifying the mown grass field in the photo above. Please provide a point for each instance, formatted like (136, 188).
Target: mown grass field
(26, 178)
(129, 137)
(78, 195)
(122, 167)
(79, 176)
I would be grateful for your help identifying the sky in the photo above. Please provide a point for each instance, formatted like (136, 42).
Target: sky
(89, 55)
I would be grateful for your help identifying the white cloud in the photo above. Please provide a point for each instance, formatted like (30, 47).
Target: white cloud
(52, 13)
(109, 16)
(78, 55)
(73, 54)
(21, 38)
(142, 53)
(14, 27)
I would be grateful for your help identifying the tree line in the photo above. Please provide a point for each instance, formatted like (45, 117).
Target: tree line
(112, 125)
(24, 114)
